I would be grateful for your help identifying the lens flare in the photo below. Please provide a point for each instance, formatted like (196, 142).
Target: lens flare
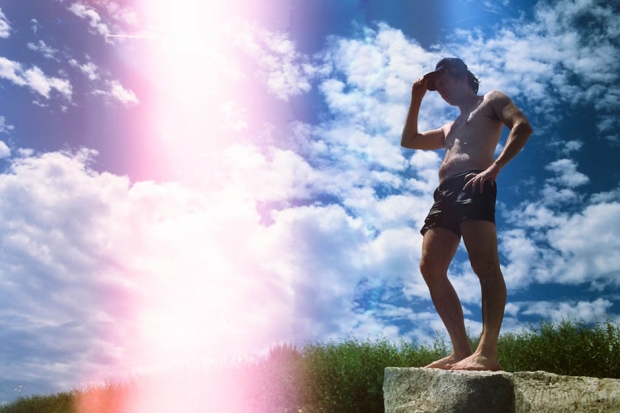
(200, 302)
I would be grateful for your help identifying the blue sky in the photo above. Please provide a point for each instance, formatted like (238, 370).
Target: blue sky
(182, 184)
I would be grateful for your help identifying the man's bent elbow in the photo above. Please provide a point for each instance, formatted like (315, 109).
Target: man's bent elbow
(408, 141)
(524, 128)
(403, 142)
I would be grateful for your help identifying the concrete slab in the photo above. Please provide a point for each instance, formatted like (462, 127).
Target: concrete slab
(415, 390)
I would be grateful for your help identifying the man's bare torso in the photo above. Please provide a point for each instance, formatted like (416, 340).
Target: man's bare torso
(471, 140)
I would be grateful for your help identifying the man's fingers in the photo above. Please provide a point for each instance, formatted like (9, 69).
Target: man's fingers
(476, 182)
(470, 181)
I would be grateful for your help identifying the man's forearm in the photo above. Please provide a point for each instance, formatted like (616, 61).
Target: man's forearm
(519, 134)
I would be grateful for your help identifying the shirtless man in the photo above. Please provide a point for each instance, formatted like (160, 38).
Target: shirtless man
(465, 202)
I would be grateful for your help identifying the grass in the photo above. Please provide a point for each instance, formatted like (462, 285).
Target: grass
(347, 376)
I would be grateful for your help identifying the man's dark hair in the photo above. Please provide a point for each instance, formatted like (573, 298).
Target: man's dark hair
(473, 81)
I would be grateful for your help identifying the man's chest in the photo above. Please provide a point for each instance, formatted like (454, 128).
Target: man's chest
(475, 128)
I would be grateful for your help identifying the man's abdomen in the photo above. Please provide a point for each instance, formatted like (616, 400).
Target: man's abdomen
(454, 164)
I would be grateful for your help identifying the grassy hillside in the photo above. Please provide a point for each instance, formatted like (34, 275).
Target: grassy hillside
(347, 376)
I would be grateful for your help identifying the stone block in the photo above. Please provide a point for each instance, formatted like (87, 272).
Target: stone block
(541, 392)
(415, 390)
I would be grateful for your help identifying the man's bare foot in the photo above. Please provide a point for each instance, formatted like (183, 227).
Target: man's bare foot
(476, 362)
(452, 359)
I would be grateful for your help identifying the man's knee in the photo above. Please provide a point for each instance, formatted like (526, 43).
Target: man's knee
(431, 271)
(485, 267)
(426, 269)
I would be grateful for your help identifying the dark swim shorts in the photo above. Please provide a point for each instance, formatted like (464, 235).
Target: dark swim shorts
(454, 205)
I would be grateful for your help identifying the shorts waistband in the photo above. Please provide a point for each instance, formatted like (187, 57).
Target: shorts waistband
(459, 176)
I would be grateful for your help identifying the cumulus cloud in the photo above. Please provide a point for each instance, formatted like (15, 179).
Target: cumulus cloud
(122, 94)
(111, 89)
(34, 78)
(34, 25)
(5, 152)
(94, 19)
(89, 69)
(5, 27)
(47, 51)
(555, 245)
(120, 13)
(287, 72)
(148, 274)
(553, 59)
(117, 92)
(567, 174)
(586, 243)
(43, 85)
(589, 312)
(4, 127)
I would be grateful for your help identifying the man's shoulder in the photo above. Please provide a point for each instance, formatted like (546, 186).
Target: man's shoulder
(495, 94)
(497, 100)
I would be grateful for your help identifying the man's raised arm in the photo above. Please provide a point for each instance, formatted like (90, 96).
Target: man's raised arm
(411, 138)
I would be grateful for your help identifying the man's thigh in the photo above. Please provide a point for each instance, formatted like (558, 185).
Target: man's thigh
(438, 248)
(480, 238)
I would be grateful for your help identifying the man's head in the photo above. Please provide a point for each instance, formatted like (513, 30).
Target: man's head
(454, 67)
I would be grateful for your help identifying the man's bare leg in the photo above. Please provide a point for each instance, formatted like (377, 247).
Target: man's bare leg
(438, 249)
(481, 242)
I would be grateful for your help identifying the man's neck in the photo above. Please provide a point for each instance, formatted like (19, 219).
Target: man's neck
(469, 102)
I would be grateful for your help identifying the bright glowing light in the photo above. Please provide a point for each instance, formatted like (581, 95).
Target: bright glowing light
(204, 299)
(194, 74)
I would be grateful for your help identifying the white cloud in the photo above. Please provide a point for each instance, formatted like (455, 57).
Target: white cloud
(34, 24)
(551, 60)
(122, 94)
(567, 174)
(566, 147)
(34, 78)
(587, 243)
(130, 267)
(93, 17)
(118, 92)
(287, 72)
(5, 152)
(104, 248)
(521, 253)
(9, 69)
(565, 248)
(47, 51)
(274, 176)
(110, 89)
(4, 127)
(89, 69)
(606, 197)
(119, 12)
(5, 27)
(39, 82)
(589, 312)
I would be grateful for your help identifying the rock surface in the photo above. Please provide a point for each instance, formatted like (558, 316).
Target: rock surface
(414, 390)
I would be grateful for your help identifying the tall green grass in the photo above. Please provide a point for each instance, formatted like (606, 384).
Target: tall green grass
(347, 376)
(569, 348)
